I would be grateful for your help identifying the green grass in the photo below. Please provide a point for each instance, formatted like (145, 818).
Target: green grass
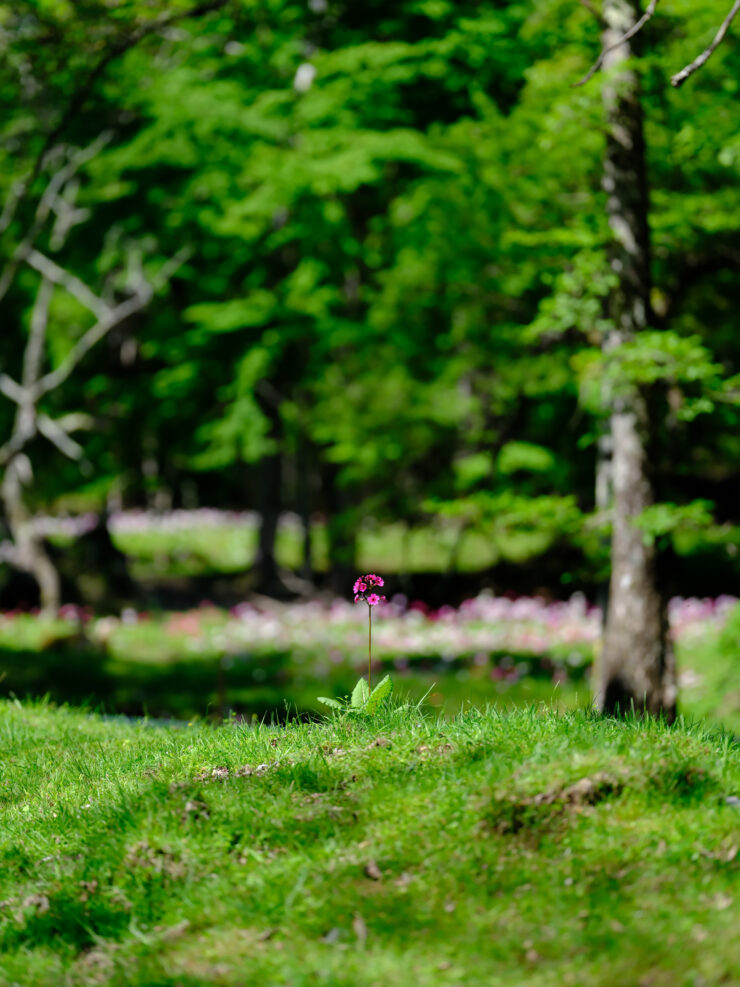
(518, 848)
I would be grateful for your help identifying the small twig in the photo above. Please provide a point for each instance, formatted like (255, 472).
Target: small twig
(109, 318)
(58, 437)
(592, 10)
(680, 77)
(116, 51)
(48, 198)
(635, 29)
(50, 270)
(16, 193)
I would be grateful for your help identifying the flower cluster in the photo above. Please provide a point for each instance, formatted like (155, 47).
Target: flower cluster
(364, 589)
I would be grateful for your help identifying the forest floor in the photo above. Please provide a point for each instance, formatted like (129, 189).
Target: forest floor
(524, 847)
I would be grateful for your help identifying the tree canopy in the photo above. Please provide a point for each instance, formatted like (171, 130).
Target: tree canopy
(396, 272)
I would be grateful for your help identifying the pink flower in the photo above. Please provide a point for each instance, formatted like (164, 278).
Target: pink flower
(365, 583)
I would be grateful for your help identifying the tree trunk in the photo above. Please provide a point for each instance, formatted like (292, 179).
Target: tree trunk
(341, 531)
(636, 670)
(269, 479)
(29, 551)
(304, 499)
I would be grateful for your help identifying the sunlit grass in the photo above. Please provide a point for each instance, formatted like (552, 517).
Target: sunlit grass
(231, 548)
(512, 848)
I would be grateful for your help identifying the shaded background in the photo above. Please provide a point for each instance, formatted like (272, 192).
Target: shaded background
(379, 351)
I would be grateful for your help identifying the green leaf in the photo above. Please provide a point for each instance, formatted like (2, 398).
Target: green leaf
(381, 691)
(335, 704)
(360, 694)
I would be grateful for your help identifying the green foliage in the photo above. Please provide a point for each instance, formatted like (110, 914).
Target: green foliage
(362, 700)
(380, 693)
(398, 277)
(684, 363)
(516, 456)
(360, 694)
(664, 519)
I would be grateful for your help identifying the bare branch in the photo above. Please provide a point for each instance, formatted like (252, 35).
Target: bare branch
(49, 196)
(16, 193)
(170, 268)
(592, 10)
(112, 317)
(51, 271)
(635, 29)
(117, 49)
(680, 77)
(34, 351)
(10, 554)
(52, 431)
(74, 421)
(13, 446)
(67, 215)
(11, 390)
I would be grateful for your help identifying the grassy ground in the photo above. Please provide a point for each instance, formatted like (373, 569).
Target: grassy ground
(520, 848)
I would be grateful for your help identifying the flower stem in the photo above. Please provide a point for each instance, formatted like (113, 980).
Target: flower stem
(369, 643)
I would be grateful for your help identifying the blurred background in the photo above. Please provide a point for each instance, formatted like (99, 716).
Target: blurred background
(293, 291)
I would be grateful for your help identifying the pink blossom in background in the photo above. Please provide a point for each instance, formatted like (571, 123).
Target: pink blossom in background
(403, 631)
(361, 586)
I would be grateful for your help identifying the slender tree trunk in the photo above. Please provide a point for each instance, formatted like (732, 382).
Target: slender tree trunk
(341, 530)
(269, 479)
(636, 669)
(29, 551)
(303, 496)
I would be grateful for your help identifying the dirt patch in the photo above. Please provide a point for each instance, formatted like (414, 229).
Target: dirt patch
(155, 860)
(513, 814)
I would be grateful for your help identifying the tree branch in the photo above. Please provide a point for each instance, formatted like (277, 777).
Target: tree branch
(112, 316)
(16, 193)
(52, 431)
(635, 29)
(51, 271)
(13, 446)
(592, 10)
(680, 77)
(46, 203)
(34, 351)
(11, 390)
(117, 49)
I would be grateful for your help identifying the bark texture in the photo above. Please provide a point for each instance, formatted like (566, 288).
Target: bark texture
(29, 551)
(637, 669)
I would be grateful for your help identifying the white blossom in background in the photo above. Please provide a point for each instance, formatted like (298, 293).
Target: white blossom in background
(304, 76)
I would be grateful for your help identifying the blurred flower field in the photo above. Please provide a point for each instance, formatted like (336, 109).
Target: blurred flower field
(256, 658)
